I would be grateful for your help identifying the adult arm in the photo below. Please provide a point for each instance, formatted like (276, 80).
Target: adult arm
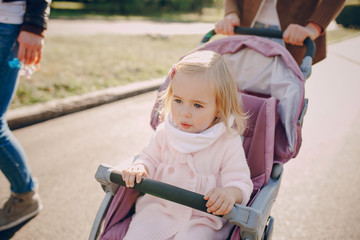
(231, 18)
(36, 16)
(32, 31)
(327, 10)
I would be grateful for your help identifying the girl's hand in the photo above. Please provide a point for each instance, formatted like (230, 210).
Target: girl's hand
(220, 201)
(296, 34)
(226, 25)
(134, 172)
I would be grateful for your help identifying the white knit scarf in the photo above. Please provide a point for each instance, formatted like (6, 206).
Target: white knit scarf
(185, 142)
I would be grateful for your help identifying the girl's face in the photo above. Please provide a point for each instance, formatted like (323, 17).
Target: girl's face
(193, 103)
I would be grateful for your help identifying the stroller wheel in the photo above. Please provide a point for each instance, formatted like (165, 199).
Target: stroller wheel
(268, 229)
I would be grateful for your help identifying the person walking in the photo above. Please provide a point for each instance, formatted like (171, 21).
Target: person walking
(22, 27)
(298, 19)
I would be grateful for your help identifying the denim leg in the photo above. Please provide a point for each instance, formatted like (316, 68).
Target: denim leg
(13, 161)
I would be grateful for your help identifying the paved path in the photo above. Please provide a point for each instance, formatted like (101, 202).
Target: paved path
(319, 196)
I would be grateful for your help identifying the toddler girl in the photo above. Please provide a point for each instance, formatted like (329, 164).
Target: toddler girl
(198, 147)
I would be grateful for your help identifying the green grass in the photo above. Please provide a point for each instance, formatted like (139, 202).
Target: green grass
(352, 2)
(341, 34)
(77, 65)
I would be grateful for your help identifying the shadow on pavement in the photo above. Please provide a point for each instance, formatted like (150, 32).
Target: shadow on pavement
(8, 234)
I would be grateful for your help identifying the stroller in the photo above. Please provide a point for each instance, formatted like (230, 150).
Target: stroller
(271, 86)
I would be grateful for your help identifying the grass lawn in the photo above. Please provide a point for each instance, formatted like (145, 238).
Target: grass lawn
(73, 65)
(77, 65)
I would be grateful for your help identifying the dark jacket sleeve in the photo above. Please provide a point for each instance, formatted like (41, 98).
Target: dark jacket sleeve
(326, 12)
(36, 16)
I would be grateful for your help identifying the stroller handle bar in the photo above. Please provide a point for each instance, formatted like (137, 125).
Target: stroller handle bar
(105, 175)
(273, 33)
(248, 218)
(263, 32)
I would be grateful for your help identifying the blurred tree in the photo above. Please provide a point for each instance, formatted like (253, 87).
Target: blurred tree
(139, 7)
(349, 17)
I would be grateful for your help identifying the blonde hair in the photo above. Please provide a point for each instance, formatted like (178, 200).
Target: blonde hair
(218, 74)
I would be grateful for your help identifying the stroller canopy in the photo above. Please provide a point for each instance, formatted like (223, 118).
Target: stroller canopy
(263, 67)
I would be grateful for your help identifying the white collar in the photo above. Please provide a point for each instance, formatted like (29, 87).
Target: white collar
(185, 142)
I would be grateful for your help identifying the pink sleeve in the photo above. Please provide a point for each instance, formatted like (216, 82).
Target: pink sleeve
(235, 170)
(150, 156)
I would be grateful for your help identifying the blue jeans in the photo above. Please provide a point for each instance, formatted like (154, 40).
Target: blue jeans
(13, 161)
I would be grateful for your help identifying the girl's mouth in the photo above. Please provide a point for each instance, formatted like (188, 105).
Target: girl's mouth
(185, 125)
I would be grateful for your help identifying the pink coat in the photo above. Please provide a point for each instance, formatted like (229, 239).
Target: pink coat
(221, 164)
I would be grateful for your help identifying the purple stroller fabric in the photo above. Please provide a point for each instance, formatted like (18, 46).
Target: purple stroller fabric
(288, 130)
(118, 216)
(267, 139)
(259, 137)
(258, 144)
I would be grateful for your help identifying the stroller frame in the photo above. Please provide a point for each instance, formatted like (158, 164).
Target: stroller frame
(255, 220)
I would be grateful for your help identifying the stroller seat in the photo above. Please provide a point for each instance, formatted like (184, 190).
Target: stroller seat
(273, 96)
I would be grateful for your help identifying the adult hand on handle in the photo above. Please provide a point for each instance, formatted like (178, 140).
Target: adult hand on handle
(227, 24)
(296, 34)
(30, 47)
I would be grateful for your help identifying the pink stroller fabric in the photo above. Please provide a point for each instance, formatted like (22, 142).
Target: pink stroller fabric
(258, 144)
(259, 137)
(118, 216)
(283, 80)
(268, 139)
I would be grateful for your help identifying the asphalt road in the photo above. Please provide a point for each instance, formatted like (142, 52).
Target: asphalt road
(319, 197)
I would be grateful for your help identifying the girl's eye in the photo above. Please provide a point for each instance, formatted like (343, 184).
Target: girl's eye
(177, 100)
(196, 105)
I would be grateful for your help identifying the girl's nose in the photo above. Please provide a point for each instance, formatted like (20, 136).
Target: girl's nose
(186, 111)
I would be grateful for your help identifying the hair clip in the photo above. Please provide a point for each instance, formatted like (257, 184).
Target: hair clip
(172, 71)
